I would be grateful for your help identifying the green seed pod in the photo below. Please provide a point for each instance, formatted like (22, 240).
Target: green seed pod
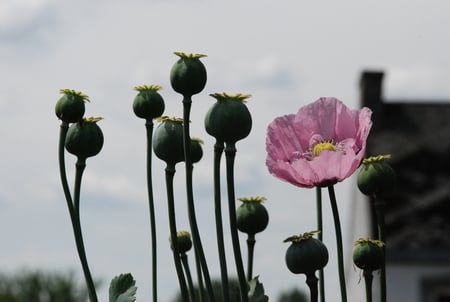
(184, 242)
(70, 107)
(252, 217)
(229, 119)
(168, 140)
(368, 254)
(84, 138)
(376, 176)
(188, 75)
(306, 254)
(148, 103)
(196, 150)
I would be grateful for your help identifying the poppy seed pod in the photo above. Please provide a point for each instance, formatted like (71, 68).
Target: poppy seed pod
(70, 107)
(196, 150)
(148, 103)
(306, 254)
(184, 242)
(168, 140)
(188, 74)
(84, 138)
(252, 217)
(368, 254)
(376, 176)
(229, 119)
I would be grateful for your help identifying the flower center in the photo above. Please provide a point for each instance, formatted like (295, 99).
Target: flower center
(321, 147)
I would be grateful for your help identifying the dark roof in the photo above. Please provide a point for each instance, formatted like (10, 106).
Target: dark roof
(417, 135)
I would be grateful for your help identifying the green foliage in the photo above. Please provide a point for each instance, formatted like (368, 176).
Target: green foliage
(122, 289)
(38, 286)
(256, 291)
(294, 295)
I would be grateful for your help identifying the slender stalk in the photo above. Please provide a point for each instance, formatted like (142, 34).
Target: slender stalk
(170, 172)
(187, 271)
(198, 249)
(251, 248)
(79, 169)
(337, 226)
(311, 281)
(379, 210)
(368, 277)
(62, 167)
(218, 150)
(151, 206)
(230, 153)
(320, 237)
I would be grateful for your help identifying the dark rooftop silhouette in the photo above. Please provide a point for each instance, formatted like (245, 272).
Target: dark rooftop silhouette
(417, 135)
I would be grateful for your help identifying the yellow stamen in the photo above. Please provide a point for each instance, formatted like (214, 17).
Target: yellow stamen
(321, 147)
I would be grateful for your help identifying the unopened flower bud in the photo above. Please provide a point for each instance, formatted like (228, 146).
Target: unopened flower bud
(376, 176)
(229, 119)
(368, 254)
(306, 254)
(188, 75)
(252, 217)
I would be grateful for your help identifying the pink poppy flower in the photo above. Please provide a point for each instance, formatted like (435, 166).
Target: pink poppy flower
(324, 143)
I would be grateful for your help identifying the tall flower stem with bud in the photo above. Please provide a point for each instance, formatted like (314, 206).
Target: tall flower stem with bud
(229, 121)
(148, 104)
(188, 77)
(376, 178)
(252, 217)
(168, 146)
(69, 109)
(306, 255)
(83, 139)
(368, 255)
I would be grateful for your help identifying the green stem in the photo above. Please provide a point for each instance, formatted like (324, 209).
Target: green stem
(251, 248)
(170, 172)
(198, 249)
(368, 277)
(311, 281)
(79, 169)
(320, 237)
(151, 206)
(337, 226)
(185, 262)
(230, 153)
(218, 151)
(62, 168)
(379, 210)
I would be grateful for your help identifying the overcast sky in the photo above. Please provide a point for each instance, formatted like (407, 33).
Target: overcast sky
(285, 53)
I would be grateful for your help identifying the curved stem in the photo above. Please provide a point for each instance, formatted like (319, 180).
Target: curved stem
(230, 152)
(151, 206)
(320, 237)
(79, 169)
(368, 277)
(251, 248)
(218, 150)
(311, 281)
(337, 226)
(62, 167)
(170, 172)
(198, 249)
(379, 210)
(185, 262)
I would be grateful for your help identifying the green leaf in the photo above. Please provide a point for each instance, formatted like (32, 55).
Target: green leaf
(122, 289)
(256, 291)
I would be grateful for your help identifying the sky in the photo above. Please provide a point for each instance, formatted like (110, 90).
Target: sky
(285, 54)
